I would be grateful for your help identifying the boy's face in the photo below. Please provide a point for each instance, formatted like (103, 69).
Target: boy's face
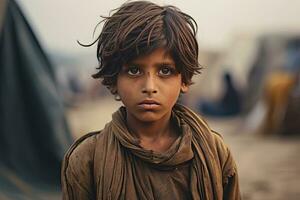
(149, 86)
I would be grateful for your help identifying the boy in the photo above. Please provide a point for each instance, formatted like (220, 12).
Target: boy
(153, 148)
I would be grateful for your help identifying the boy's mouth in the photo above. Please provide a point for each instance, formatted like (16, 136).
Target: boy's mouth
(149, 104)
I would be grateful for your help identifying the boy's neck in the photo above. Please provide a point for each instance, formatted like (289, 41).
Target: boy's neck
(157, 136)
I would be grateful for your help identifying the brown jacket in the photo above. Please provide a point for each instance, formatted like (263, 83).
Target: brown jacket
(111, 165)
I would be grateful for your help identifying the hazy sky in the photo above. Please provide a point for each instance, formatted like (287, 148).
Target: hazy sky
(59, 23)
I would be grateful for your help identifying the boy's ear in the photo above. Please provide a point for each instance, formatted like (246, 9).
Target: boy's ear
(113, 89)
(184, 88)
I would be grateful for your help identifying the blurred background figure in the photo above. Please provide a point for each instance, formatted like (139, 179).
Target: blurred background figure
(281, 94)
(33, 131)
(290, 122)
(272, 81)
(229, 103)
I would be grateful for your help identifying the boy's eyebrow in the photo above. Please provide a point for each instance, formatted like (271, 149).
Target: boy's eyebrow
(167, 62)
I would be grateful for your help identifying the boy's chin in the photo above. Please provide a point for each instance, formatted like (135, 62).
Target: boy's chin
(149, 117)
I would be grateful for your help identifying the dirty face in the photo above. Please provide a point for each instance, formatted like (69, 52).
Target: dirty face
(149, 86)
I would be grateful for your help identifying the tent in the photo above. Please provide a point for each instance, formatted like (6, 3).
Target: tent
(33, 131)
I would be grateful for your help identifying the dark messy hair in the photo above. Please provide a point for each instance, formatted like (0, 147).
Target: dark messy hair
(139, 27)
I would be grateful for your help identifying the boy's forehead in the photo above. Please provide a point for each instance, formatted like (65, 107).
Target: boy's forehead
(159, 54)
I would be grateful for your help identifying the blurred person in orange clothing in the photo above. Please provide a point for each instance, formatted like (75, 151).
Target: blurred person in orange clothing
(278, 89)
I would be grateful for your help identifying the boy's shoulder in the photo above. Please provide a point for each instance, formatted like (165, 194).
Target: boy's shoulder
(77, 165)
(225, 157)
(217, 137)
(220, 144)
(83, 148)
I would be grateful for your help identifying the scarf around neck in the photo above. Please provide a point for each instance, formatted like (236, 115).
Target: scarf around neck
(118, 148)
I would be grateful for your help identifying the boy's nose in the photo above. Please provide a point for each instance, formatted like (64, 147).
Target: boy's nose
(149, 84)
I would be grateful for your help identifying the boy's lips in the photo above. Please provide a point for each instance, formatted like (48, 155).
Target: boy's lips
(149, 104)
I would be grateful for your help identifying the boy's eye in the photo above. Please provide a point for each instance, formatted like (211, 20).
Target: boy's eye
(165, 71)
(133, 71)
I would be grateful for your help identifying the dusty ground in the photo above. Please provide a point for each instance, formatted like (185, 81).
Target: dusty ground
(269, 168)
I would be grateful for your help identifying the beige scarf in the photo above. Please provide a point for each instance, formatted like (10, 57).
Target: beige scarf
(118, 148)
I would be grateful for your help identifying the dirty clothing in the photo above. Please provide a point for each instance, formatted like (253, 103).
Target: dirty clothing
(112, 165)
